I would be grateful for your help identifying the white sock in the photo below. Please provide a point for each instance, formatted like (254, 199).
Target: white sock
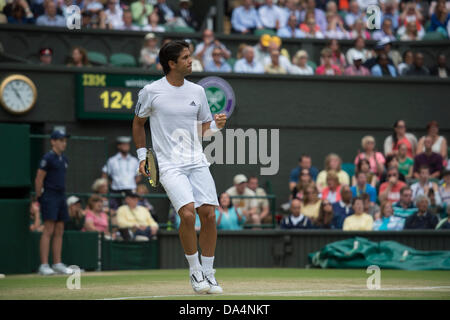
(193, 261)
(207, 263)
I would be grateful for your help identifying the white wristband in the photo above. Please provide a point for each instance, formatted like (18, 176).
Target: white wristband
(142, 154)
(213, 127)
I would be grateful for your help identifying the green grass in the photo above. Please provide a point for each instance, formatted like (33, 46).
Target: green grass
(260, 284)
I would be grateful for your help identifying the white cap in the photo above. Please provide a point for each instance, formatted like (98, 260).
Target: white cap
(123, 139)
(357, 56)
(72, 200)
(238, 179)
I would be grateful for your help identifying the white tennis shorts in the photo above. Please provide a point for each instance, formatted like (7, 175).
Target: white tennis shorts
(184, 186)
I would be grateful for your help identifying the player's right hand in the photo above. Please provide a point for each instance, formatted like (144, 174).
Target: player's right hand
(142, 168)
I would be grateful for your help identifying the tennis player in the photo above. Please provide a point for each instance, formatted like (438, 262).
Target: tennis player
(179, 112)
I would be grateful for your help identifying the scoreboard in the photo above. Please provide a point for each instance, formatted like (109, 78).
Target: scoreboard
(108, 96)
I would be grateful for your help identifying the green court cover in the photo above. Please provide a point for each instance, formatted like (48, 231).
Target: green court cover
(359, 252)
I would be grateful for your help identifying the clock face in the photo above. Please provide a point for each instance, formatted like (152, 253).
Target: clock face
(18, 94)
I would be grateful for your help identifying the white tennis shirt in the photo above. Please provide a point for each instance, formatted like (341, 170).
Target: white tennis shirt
(176, 115)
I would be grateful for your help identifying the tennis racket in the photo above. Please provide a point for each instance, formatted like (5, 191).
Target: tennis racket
(151, 168)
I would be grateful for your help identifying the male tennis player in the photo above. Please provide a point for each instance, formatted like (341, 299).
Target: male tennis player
(178, 109)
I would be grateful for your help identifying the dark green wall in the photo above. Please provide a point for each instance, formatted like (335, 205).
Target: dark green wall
(315, 115)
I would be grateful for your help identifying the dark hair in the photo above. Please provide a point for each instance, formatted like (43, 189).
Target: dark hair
(431, 124)
(389, 159)
(304, 156)
(356, 199)
(405, 188)
(405, 53)
(171, 52)
(423, 167)
(365, 196)
(394, 134)
(358, 166)
(231, 201)
(446, 173)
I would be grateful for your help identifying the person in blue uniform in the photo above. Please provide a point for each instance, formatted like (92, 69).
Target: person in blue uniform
(50, 191)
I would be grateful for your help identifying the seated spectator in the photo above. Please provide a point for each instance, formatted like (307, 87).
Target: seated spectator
(270, 15)
(261, 49)
(114, 14)
(142, 191)
(424, 185)
(386, 31)
(444, 189)
(417, 68)
(51, 18)
(363, 166)
(337, 56)
(409, 32)
(354, 14)
(149, 51)
(335, 27)
(327, 67)
(140, 10)
(359, 220)
(332, 192)
(153, 23)
(375, 158)
(305, 162)
(296, 220)
(204, 50)
(440, 18)
(392, 54)
(390, 190)
(248, 64)
(290, 8)
(399, 136)
(362, 187)
(432, 160)
(311, 29)
(317, 14)
(422, 219)
(76, 214)
(390, 10)
(408, 59)
(197, 65)
(78, 58)
(405, 163)
(370, 207)
(387, 221)
(187, 15)
(20, 13)
(343, 208)
(380, 48)
(35, 216)
(411, 14)
(45, 56)
(165, 13)
(300, 64)
(246, 205)
(245, 18)
(100, 188)
(227, 216)
(359, 31)
(291, 30)
(95, 218)
(134, 221)
(383, 68)
(360, 51)
(326, 215)
(405, 207)
(439, 142)
(444, 224)
(440, 69)
(332, 162)
(311, 202)
(283, 56)
(262, 207)
(93, 6)
(128, 25)
(303, 181)
(391, 161)
(274, 67)
(218, 63)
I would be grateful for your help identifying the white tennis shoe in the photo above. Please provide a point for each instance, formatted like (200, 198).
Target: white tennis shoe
(61, 268)
(198, 281)
(213, 284)
(45, 270)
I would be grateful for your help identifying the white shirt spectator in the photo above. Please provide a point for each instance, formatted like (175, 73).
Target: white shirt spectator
(243, 66)
(122, 171)
(305, 71)
(114, 18)
(207, 55)
(242, 19)
(150, 28)
(56, 21)
(269, 15)
(418, 190)
(284, 62)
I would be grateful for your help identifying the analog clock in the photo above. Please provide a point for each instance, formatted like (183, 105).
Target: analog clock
(17, 94)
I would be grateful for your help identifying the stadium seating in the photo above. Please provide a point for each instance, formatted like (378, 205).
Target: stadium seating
(97, 58)
(122, 60)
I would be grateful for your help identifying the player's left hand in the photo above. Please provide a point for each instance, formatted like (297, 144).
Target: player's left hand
(220, 120)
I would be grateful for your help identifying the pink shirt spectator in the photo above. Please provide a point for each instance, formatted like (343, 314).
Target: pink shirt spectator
(373, 163)
(353, 71)
(394, 194)
(334, 71)
(100, 221)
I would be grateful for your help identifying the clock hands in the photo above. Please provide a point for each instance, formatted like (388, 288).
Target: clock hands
(19, 96)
